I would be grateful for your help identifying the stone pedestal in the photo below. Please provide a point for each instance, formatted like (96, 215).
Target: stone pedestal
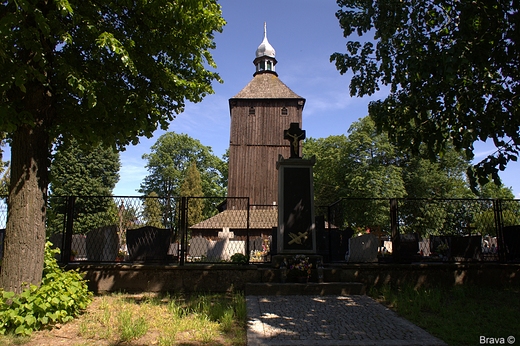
(296, 228)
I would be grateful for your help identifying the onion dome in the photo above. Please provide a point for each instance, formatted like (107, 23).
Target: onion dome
(265, 56)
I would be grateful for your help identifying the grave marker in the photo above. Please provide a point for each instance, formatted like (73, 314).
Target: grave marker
(363, 249)
(296, 229)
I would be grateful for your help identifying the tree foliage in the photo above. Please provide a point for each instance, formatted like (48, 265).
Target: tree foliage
(192, 187)
(363, 164)
(4, 178)
(90, 175)
(94, 71)
(369, 169)
(113, 69)
(363, 170)
(168, 164)
(452, 68)
(153, 211)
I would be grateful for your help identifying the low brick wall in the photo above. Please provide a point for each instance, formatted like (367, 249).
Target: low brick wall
(168, 278)
(424, 275)
(221, 278)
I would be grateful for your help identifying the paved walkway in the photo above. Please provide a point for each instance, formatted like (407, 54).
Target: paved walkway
(329, 320)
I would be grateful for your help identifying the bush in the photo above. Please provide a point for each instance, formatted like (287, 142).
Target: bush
(239, 258)
(61, 296)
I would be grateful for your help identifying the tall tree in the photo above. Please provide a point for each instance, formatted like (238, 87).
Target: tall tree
(363, 164)
(169, 160)
(452, 68)
(192, 187)
(153, 211)
(106, 71)
(485, 220)
(330, 169)
(440, 177)
(372, 163)
(89, 175)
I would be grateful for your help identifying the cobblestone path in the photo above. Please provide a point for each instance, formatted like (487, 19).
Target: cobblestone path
(329, 320)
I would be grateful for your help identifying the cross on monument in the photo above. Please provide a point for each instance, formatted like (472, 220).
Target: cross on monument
(294, 134)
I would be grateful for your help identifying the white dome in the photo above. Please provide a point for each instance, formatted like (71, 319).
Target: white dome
(265, 48)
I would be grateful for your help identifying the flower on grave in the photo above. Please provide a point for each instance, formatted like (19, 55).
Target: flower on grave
(257, 256)
(301, 265)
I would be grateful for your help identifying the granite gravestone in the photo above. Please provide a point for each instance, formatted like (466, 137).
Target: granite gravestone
(198, 248)
(363, 249)
(296, 228)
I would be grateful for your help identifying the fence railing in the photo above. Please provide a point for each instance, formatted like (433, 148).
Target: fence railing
(229, 230)
(432, 229)
(151, 229)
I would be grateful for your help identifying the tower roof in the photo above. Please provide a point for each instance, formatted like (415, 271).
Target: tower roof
(266, 86)
(265, 83)
(265, 48)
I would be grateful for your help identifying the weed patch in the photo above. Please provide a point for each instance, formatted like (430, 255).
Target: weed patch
(164, 320)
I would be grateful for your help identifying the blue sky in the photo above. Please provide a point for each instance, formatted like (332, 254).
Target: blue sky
(304, 34)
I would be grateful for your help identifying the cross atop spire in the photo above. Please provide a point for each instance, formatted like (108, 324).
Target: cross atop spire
(265, 48)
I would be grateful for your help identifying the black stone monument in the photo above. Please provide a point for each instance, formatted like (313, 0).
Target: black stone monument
(296, 228)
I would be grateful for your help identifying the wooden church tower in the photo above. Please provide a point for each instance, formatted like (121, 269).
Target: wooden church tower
(260, 113)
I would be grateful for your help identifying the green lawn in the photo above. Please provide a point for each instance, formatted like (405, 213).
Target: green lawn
(460, 315)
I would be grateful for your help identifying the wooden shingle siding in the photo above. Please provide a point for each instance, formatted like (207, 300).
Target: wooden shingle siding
(266, 126)
(256, 140)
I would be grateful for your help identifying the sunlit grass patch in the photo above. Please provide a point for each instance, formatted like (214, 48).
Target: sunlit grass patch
(168, 319)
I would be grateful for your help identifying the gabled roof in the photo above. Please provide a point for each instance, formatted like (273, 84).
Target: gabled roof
(266, 86)
(237, 219)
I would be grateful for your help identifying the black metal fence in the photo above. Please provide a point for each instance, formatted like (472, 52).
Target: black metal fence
(152, 229)
(425, 230)
(229, 230)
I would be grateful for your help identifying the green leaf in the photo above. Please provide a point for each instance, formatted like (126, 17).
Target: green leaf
(64, 6)
(447, 66)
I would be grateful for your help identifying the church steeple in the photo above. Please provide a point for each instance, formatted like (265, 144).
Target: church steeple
(260, 113)
(265, 56)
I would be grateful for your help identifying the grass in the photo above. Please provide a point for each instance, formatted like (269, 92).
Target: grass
(166, 320)
(458, 315)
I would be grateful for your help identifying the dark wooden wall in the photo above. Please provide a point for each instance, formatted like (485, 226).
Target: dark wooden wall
(256, 141)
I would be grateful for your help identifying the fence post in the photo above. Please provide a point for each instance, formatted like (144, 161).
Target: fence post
(329, 229)
(499, 224)
(69, 223)
(247, 233)
(394, 227)
(183, 221)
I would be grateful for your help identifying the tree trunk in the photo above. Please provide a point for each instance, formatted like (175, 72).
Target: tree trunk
(24, 244)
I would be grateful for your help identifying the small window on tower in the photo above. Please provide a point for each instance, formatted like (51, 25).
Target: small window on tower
(284, 111)
(251, 110)
(269, 66)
